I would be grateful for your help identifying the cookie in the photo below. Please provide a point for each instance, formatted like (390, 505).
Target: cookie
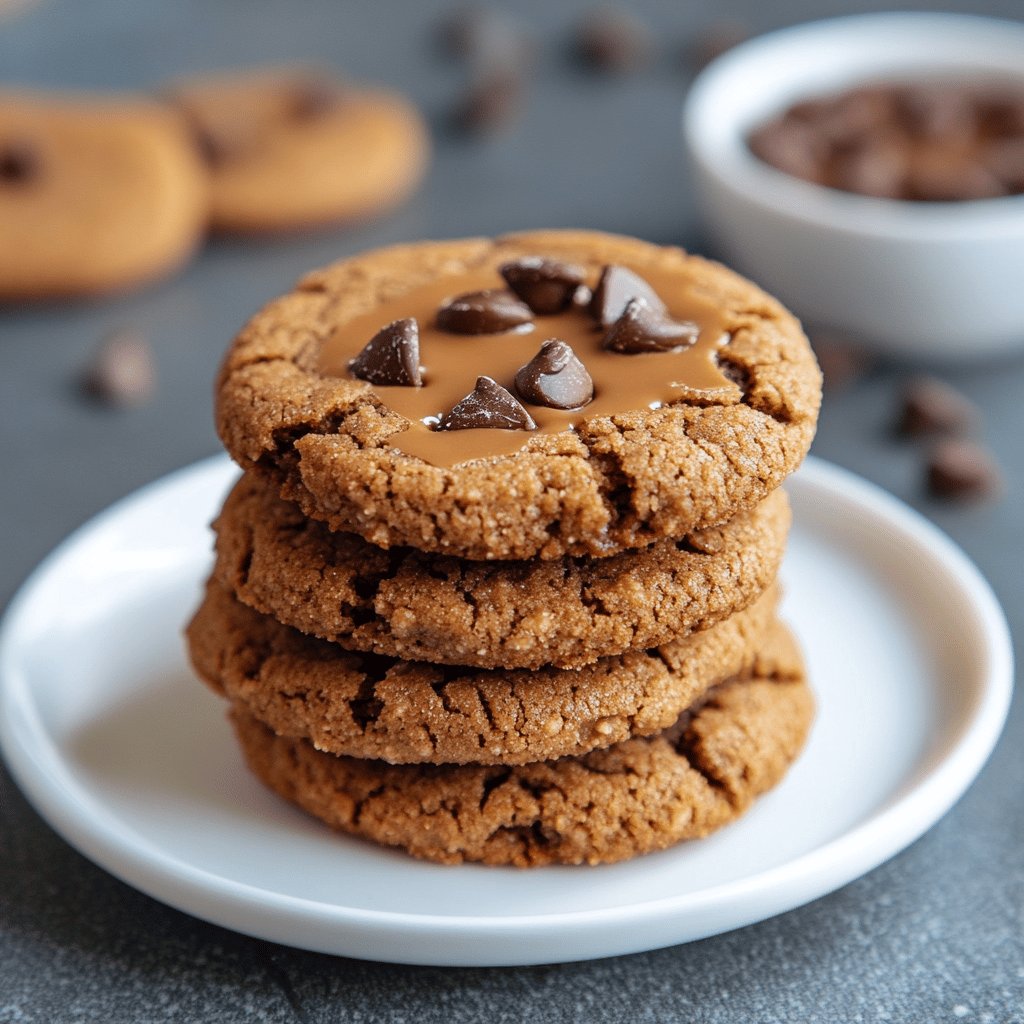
(370, 706)
(705, 396)
(635, 797)
(96, 194)
(291, 148)
(567, 612)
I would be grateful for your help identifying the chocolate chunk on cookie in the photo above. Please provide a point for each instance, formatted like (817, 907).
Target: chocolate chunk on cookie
(637, 796)
(567, 612)
(488, 407)
(546, 286)
(413, 712)
(489, 311)
(555, 377)
(669, 444)
(642, 329)
(391, 356)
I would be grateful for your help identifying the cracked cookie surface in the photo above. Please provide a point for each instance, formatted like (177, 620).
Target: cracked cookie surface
(565, 612)
(614, 482)
(370, 706)
(635, 797)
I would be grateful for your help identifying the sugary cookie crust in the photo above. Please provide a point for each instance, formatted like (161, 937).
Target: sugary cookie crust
(565, 613)
(614, 483)
(368, 706)
(635, 797)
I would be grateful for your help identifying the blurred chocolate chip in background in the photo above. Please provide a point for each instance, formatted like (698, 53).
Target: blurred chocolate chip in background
(918, 141)
(931, 406)
(789, 146)
(496, 54)
(555, 378)
(843, 362)
(712, 41)
(876, 168)
(492, 100)
(546, 286)
(391, 356)
(19, 162)
(488, 406)
(613, 40)
(1004, 157)
(121, 372)
(490, 311)
(481, 33)
(962, 470)
(935, 111)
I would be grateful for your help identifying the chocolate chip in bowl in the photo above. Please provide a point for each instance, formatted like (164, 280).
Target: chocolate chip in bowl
(867, 170)
(922, 141)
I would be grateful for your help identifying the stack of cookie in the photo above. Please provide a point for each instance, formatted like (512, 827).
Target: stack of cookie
(498, 583)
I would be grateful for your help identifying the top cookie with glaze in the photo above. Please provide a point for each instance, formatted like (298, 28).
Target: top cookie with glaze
(612, 475)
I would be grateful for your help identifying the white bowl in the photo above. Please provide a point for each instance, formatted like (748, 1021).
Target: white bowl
(929, 280)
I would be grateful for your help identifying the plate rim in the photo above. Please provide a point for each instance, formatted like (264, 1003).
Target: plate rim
(90, 827)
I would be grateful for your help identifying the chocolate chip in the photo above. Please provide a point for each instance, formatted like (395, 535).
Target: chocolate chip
(482, 35)
(1005, 159)
(642, 329)
(546, 286)
(490, 311)
(931, 406)
(943, 177)
(19, 162)
(935, 111)
(1002, 114)
(788, 145)
(493, 100)
(615, 40)
(555, 377)
(121, 371)
(391, 356)
(964, 471)
(488, 405)
(614, 290)
(714, 41)
(877, 169)
(842, 361)
(314, 98)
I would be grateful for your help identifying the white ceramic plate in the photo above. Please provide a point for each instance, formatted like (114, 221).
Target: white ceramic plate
(132, 761)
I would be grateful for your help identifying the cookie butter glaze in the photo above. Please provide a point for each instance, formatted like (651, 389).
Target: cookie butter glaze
(452, 362)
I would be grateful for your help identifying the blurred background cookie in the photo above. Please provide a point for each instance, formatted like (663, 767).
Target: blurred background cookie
(96, 194)
(290, 148)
